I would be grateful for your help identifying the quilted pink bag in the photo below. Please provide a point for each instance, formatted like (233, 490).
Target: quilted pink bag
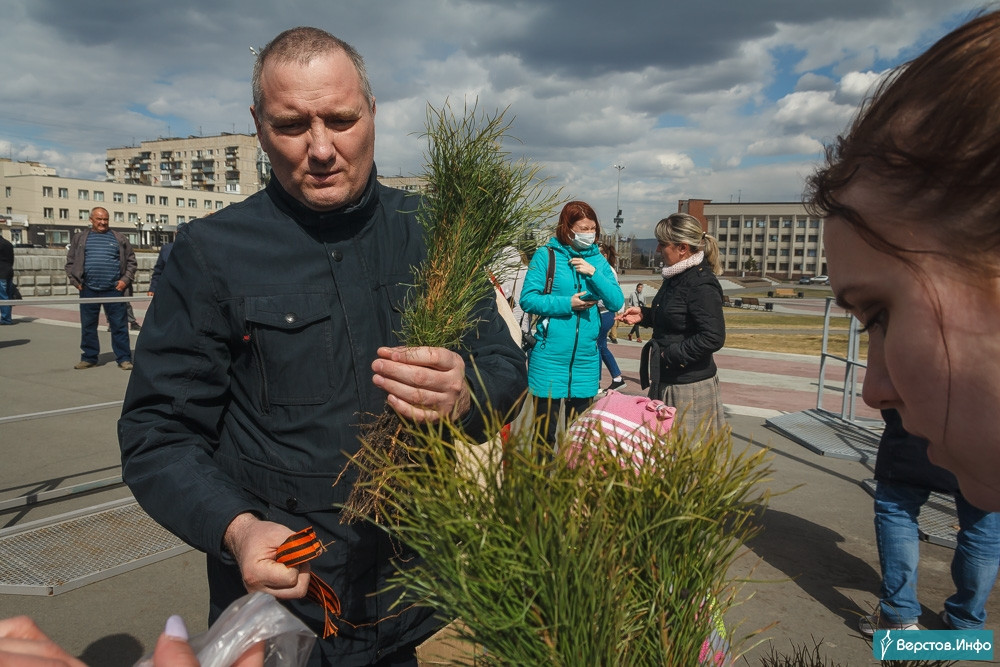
(630, 426)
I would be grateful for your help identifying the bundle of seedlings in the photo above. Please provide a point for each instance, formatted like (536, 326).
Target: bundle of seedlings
(480, 201)
(552, 559)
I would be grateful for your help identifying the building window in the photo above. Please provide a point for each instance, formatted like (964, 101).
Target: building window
(64, 214)
(218, 205)
(151, 200)
(761, 223)
(7, 190)
(181, 220)
(164, 219)
(164, 201)
(813, 223)
(758, 238)
(83, 214)
(46, 191)
(722, 237)
(786, 223)
(117, 196)
(813, 238)
(800, 238)
(784, 252)
(119, 216)
(773, 238)
(798, 252)
(63, 193)
(83, 194)
(723, 224)
(771, 252)
(133, 217)
(746, 252)
(47, 213)
(773, 224)
(810, 253)
(786, 238)
(208, 204)
(133, 198)
(150, 219)
(192, 203)
(180, 202)
(748, 224)
(800, 224)
(98, 195)
(56, 236)
(734, 251)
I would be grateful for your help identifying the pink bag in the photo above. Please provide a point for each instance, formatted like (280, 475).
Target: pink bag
(630, 426)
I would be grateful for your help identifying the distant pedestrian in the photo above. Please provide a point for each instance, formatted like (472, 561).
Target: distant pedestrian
(100, 262)
(6, 278)
(608, 321)
(635, 299)
(677, 363)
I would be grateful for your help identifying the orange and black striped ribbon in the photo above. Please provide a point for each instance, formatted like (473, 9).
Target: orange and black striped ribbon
(302, 547)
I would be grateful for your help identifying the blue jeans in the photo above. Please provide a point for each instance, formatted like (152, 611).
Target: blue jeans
(5, 311)
(90, 313)
(607, 321)
(973, 567)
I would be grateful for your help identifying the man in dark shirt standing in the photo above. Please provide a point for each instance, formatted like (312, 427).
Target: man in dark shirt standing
(6, 278)
(101, 263)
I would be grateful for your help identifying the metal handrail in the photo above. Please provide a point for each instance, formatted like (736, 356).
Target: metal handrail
(851, 362)
(53, 301)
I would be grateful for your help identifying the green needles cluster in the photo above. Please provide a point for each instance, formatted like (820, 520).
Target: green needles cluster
(480, 201)
(550, 563)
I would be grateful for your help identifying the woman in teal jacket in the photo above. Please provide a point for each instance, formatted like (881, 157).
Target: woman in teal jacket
(565, 366)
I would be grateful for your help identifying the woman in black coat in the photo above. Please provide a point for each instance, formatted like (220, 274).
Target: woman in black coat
(688, 326)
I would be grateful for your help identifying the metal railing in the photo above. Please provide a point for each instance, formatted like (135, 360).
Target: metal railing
(851, 362)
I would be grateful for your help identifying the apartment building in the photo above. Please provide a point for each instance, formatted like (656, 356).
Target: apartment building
(782, 238)
(231, 163)
(41, 209)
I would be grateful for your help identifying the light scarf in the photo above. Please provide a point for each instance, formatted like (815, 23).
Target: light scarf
(683, 265)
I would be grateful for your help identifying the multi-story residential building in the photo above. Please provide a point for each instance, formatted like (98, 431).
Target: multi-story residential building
(230, 163)
(40, 208)
(782, 238)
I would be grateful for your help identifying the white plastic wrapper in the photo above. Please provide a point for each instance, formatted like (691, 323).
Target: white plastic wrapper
(254, 618)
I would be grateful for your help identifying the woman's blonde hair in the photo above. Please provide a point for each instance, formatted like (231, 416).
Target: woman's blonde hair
(680, 228)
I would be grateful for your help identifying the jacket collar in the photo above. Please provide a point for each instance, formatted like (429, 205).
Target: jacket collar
(353, 215)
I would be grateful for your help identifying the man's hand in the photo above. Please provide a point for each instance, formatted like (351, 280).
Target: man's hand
(424, 383)
(253, 543)
(22, 644)
(121, 285)
(631, 315)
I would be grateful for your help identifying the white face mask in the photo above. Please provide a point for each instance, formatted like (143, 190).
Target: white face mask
(582, 241)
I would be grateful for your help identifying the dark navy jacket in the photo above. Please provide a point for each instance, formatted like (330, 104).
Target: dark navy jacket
(253, 371)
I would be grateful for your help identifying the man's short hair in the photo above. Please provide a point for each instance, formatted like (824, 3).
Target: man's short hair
(301, 45)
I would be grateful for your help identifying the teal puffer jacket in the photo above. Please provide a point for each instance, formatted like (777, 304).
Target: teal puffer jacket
(565, 362)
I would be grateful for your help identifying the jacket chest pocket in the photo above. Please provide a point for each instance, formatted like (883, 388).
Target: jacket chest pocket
(292, 346)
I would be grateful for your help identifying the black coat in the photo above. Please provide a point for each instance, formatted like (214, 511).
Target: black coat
(252, 373)
(902, 458)
(688, 325)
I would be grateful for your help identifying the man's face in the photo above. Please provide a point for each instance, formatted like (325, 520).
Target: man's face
(99, 220)
(318, 129)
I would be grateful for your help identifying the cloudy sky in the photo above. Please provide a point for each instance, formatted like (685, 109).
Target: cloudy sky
(717, 99)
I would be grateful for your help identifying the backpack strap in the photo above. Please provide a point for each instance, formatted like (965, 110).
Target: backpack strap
(550, 272)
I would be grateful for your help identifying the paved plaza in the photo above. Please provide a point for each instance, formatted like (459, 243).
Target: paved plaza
(810, 573)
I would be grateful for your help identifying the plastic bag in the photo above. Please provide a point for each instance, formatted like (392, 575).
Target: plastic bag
(628, 425)
(253, 618)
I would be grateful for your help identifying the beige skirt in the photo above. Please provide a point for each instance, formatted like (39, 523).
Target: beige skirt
(695, 402)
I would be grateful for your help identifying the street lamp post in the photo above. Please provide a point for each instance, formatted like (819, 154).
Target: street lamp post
(618, 218)
(138, 225)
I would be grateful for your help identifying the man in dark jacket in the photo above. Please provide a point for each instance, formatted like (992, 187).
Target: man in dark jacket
(905, 478)
(6, 278)
(274, 335)
(101, 263)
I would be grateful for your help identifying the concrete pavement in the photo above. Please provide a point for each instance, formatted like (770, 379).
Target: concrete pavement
(810, 572)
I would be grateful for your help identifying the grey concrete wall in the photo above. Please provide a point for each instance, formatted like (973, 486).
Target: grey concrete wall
(42, 272)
